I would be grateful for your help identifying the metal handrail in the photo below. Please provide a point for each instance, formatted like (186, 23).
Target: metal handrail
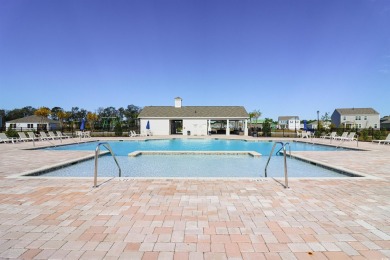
(285, 160)
(97, 152)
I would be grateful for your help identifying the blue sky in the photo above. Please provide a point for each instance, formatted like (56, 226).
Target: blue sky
(279, 57)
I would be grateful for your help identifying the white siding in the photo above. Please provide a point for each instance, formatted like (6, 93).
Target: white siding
(157, 126)
(197, 127)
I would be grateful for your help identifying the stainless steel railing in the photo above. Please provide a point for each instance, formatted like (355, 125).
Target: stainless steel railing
(285, 160)
(97, 152)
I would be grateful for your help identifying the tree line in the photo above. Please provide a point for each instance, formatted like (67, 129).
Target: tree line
(127, 115)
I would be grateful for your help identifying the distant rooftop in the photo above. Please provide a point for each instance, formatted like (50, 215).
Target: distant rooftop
(193, 112)
(354, 111)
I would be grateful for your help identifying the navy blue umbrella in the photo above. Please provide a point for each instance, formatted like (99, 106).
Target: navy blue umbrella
(305, 125)
(147, 125)
(82, 126)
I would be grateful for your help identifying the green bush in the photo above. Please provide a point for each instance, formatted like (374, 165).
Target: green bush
(364, 134)
(11, 132)
(267, 128)
(118, 129)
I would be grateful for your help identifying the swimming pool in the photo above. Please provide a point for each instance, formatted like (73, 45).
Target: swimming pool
(123, 148)
(193, 165)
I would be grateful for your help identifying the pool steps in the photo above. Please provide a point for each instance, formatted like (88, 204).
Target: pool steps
(137, 153)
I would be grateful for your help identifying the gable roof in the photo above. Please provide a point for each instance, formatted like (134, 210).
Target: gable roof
(33, 119)
(287, 117)
(354, 111)
(193, 112)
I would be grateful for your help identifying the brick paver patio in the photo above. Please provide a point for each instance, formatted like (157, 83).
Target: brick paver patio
(65, 218)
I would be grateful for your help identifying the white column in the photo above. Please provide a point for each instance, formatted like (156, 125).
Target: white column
(227, 127)
(246, 127)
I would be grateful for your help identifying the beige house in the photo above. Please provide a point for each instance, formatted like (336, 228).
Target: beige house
(356, 118)
(193, 120)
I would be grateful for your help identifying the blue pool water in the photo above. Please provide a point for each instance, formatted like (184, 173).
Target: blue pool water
(126, 147)
(187, 165)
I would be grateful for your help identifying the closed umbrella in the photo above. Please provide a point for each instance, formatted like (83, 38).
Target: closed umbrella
(82, 126)
(148, 128)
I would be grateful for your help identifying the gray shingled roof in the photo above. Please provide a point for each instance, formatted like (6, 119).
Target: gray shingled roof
(287, 117)
(193, 112)
(33, 119)
(355, 111)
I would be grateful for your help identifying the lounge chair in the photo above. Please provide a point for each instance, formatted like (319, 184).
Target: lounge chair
(133, 134)
(44, 136)
(343, 136)
(53, 135)
(32, 135)
(385, 141)
(350, 137)
(306, 135)
(4, 138)
(332, 135)
(23, 137)
(61, 135)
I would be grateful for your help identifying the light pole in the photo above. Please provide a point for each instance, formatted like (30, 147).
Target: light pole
(295, 123)
(318, 121)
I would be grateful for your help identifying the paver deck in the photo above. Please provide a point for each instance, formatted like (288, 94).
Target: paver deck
(65, 218)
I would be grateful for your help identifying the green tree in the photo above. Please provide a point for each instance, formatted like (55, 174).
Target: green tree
(267, 127)
(118, 129)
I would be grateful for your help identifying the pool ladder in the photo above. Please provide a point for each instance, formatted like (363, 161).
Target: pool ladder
(285, 160)
(97, 152)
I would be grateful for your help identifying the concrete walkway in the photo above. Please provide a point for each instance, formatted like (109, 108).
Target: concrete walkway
(65, 218)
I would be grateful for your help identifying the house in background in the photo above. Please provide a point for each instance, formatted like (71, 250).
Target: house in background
(33, 122)
(289, 122)
(356, 118)
(194, 120)
(385, 122)
(314, 125)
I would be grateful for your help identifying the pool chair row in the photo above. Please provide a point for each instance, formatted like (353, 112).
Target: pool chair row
(344, 137)
(386, 141)
(42, 136)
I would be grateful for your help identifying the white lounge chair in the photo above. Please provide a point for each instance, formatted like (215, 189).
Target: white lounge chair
(62, 135)
(350, 137)
(53, 135)
(32, 135)
(133, 134)
(343, 136)
(385, 141)
(329, 136)
(5, 139)
(44, 136)
(306, 134)
(23, 137)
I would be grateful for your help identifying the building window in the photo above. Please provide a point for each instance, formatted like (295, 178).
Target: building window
(12, 126)
(30, 125)
(375, 126)
(358, 117)
(344, 118)
(365, 117)
(359, 126)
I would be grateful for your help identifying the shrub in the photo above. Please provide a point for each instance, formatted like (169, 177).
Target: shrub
(11, 132)
(118, 129)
